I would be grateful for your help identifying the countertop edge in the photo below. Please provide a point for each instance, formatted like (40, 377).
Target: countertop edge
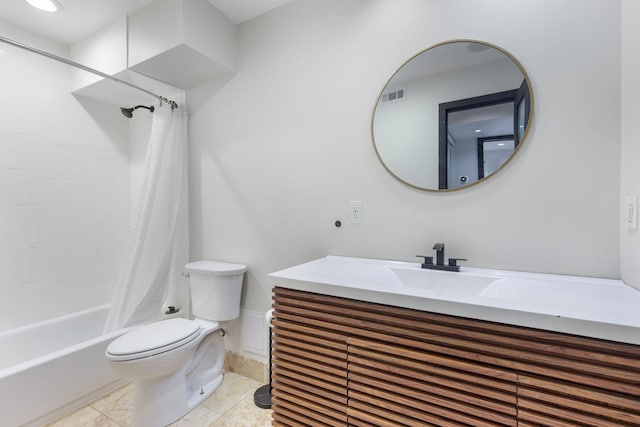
(587, 328)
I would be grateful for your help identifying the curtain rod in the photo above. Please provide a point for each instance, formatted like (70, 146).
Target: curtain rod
(85, 68)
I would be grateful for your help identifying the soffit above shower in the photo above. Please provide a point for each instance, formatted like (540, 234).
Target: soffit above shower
(183, 43)
(165, 46)
(82, 18)
(179, 43)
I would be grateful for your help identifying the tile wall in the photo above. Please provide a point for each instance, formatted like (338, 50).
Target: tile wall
(64, 192)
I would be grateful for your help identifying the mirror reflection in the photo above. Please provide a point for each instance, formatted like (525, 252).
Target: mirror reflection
(452, 115)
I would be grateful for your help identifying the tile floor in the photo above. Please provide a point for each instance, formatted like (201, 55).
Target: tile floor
(231, 406)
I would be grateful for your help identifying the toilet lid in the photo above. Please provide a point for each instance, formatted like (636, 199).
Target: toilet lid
(215, 268)
(153, 339)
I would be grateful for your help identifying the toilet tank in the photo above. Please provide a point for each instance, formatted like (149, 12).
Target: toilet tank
(215, 289)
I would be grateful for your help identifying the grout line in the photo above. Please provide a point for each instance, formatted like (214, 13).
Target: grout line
(112, 420)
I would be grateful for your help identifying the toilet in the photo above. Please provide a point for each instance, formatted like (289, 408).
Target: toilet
(177, 363)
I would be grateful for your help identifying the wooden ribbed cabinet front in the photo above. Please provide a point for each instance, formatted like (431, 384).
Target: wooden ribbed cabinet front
(339, 362)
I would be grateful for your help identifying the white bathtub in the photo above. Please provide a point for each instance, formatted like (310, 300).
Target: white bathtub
(52, 367)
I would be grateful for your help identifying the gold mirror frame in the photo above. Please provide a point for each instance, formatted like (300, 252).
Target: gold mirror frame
(529, 118)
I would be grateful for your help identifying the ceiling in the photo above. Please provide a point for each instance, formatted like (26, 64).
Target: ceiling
(81, 18)
(447, 57)
(481, 122)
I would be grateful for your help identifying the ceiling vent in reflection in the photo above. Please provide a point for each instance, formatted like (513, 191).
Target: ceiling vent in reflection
(394, 95)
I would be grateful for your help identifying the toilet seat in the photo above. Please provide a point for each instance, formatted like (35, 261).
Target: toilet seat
(153, 339)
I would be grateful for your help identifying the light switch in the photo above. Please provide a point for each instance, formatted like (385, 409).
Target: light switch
(631, 212)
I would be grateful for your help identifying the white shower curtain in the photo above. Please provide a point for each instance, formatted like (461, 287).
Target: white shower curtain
(144, 279)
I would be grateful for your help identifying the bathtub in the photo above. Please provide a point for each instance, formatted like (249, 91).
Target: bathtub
(53, 367)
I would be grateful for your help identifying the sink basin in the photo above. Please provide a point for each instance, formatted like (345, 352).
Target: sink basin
(577, 298)
(528, 290)
(442, 282)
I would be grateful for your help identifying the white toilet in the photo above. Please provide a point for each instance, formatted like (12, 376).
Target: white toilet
(177, 363)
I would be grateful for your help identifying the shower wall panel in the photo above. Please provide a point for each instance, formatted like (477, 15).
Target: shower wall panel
(64, 190)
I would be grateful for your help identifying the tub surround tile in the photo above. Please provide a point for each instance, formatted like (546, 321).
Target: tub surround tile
(62, 178)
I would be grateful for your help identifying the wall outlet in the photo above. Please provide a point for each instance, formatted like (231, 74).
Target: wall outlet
(631, 212)
(355, 212)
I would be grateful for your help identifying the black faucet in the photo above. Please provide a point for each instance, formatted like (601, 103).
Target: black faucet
(439, 248)
(452, 265)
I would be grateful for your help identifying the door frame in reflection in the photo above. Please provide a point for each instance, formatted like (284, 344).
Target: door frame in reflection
(460, 105)
(521, 112)
(481, 141)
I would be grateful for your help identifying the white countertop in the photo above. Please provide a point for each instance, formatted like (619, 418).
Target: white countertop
(598, 308)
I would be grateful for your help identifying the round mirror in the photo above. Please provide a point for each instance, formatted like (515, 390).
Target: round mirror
(452, 115)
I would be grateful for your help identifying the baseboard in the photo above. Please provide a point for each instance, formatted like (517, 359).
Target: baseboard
(246, 367)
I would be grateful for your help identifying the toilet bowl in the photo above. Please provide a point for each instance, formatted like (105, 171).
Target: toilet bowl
(177, 363)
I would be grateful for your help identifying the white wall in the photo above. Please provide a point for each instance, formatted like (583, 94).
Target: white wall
(630, 176)
(64, 189)
(279, 150)
(105, 50)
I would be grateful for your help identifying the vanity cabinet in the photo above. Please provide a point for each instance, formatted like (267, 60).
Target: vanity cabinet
(339, 362)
